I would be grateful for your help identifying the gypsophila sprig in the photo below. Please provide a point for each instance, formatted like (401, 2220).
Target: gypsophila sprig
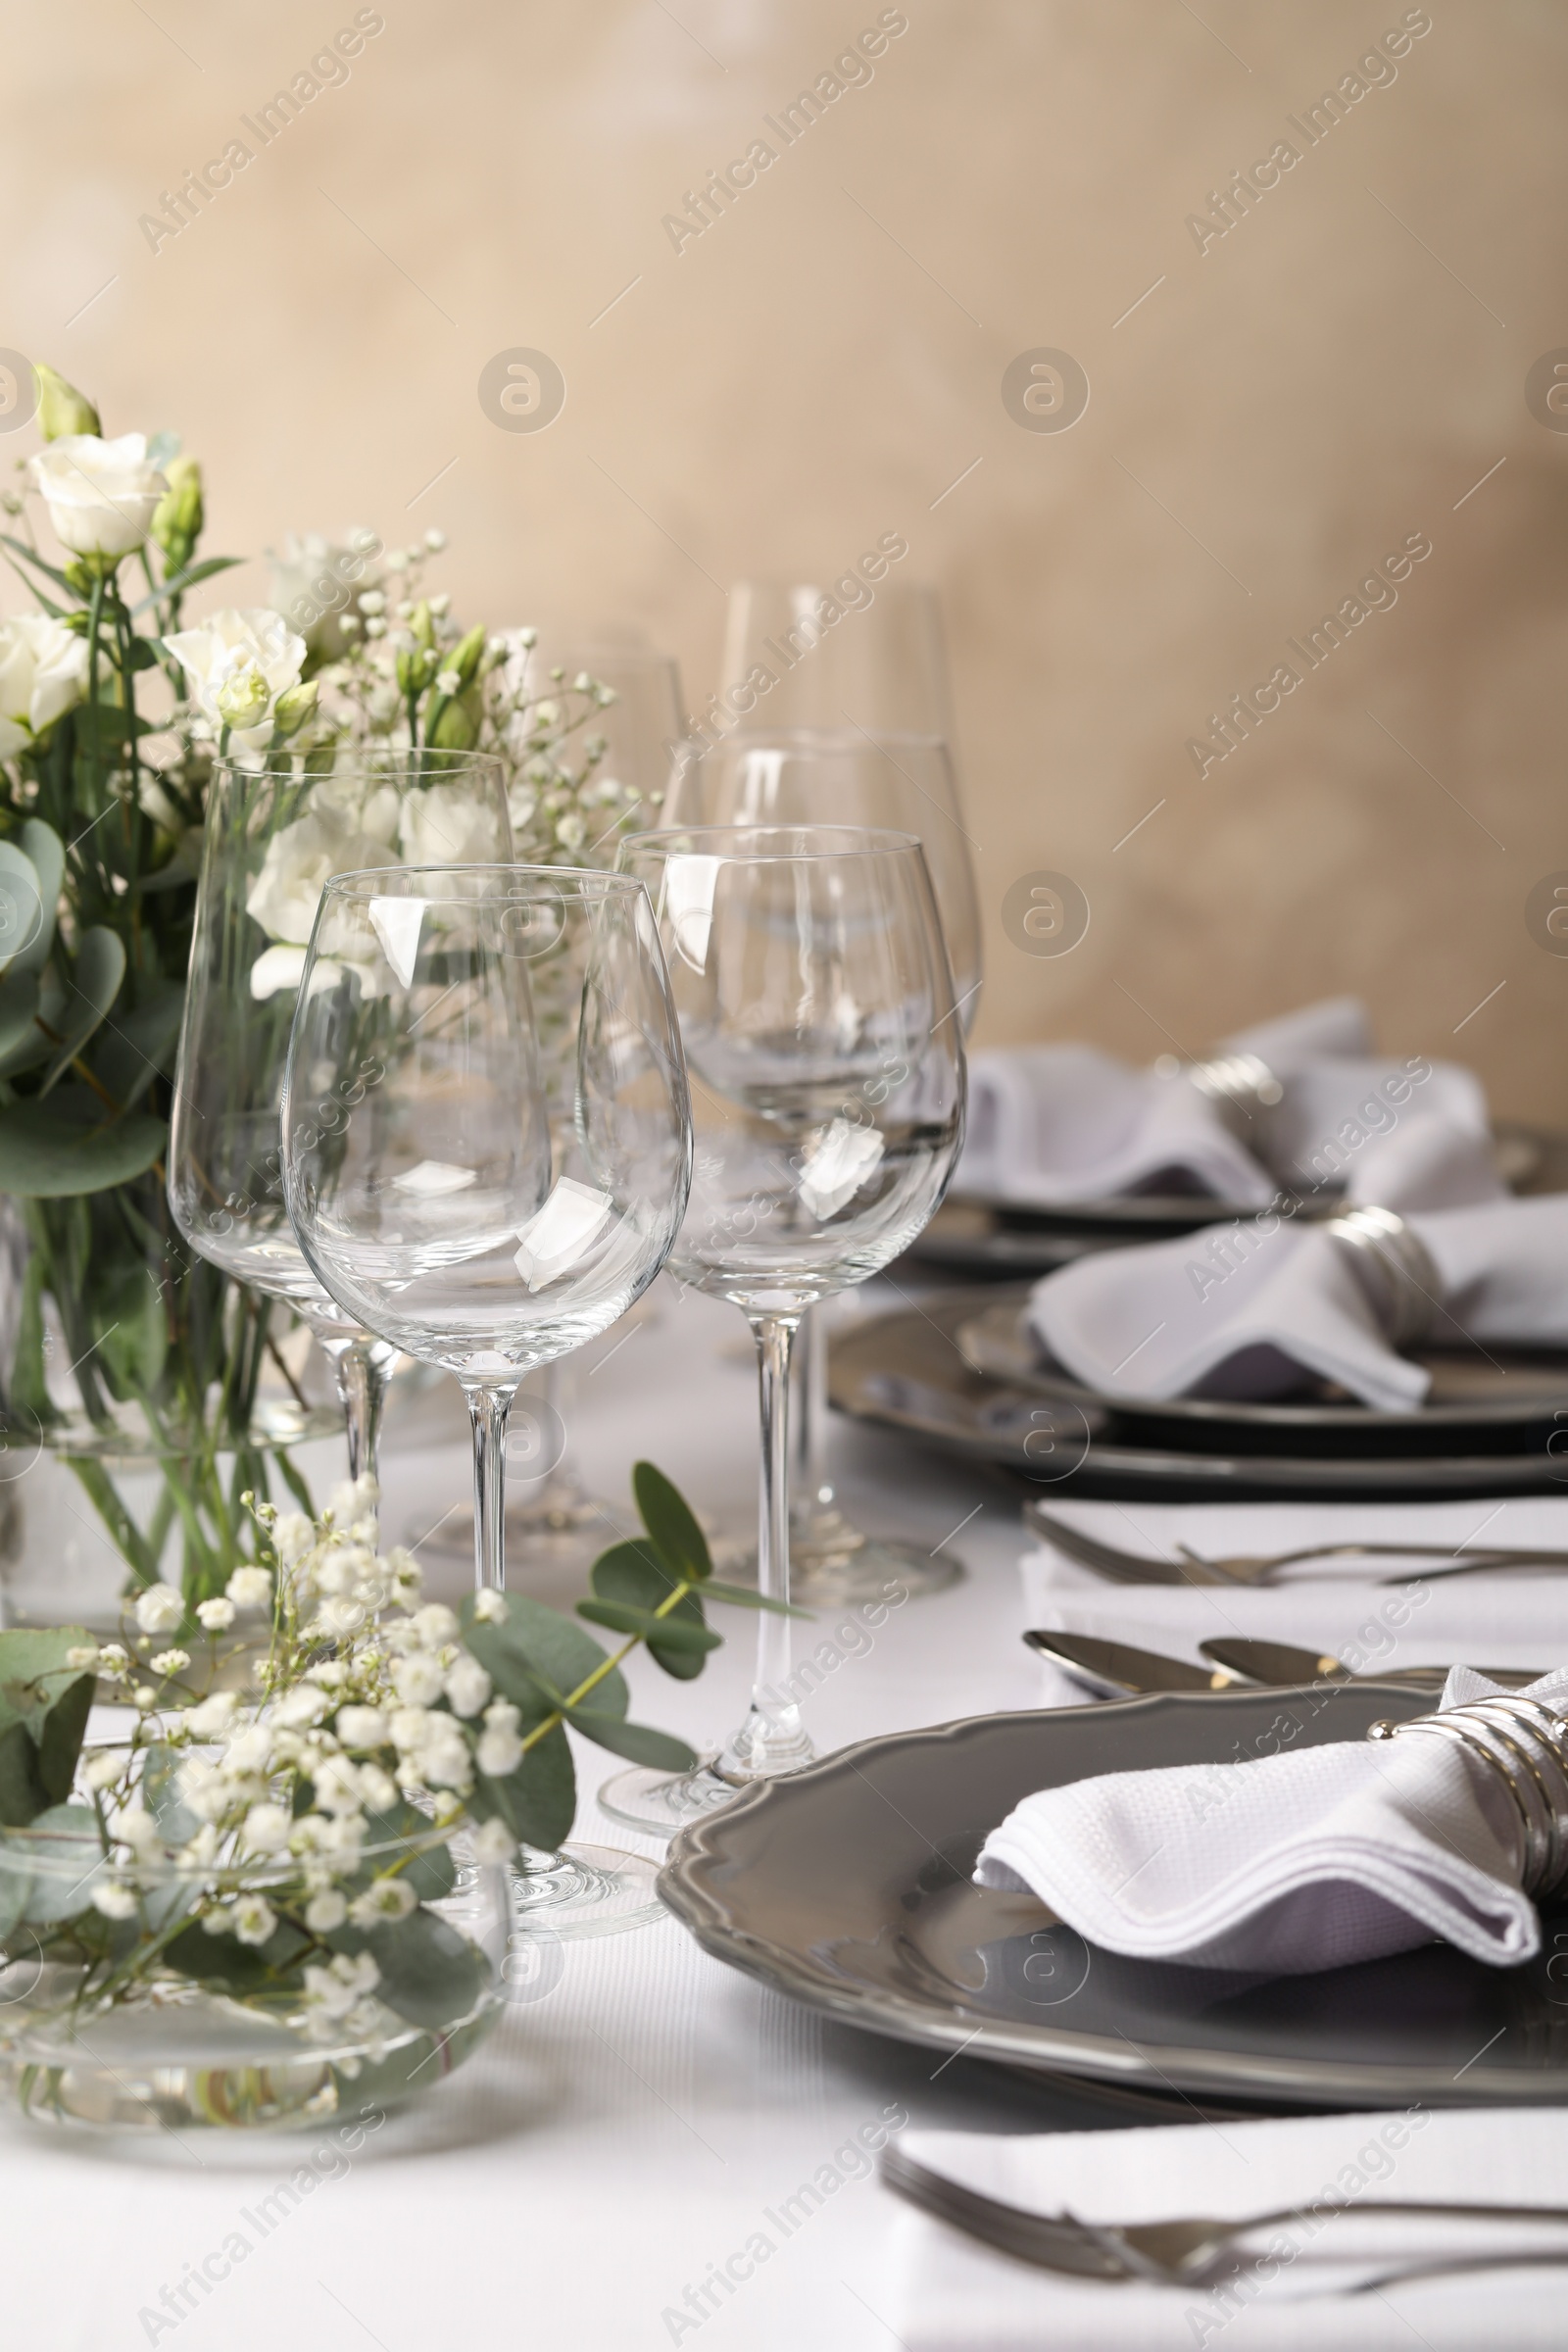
(285, 1820)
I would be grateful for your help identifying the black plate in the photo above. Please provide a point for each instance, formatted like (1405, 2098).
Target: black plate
(847, 1886)
(903, 1371)
(982, 1240)
(1503, 1401)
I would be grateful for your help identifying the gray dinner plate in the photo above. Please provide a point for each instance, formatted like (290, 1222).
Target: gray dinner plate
(980, 1239)
(1499, 1394)
(847, 1887)
(904, 1371)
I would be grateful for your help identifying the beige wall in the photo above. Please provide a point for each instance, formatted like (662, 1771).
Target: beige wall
(1282, 410)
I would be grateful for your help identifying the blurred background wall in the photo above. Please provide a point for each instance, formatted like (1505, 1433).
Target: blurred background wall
(1287, 378)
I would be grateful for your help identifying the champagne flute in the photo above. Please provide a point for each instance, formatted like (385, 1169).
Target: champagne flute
(436, 1197)
(273, 835)
(816, 1010)
(854, 776)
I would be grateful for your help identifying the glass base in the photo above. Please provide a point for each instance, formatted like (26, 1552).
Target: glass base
(833, 1563)
(659, 1802)
(586, 1890)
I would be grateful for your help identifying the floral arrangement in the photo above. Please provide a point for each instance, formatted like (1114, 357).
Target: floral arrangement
(290, 1844)
(112, 708)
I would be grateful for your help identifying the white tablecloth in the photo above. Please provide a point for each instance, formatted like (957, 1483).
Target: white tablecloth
(604, 2171)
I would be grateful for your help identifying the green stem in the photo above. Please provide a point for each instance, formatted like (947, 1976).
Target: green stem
(574, 1698)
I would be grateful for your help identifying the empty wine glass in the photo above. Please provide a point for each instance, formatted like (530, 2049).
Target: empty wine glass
(273, 836)
(826, 1069)
(436, 1197)
(557, 1523)
(850, 775)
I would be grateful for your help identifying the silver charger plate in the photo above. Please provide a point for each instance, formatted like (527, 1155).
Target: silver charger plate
(847, 1887)
(1500, 1391)
(904, 1371)
(979, 1238)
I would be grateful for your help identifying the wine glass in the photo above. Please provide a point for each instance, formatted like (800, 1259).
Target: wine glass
(855, 776)
(436, 1198)
(558, 1523)
(845, 653)
(272, 838)
(827, 1080)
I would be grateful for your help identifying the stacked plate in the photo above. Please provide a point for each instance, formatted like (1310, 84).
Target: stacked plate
(965, 1369)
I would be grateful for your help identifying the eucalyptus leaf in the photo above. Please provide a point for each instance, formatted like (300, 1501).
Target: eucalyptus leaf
(160, 1794)
(46, 1154)
(550, 1650)
(141, 1045)
(241, 1969)
(66, 1860)
(429, 1973)
(638, 1741)
(21, 904)
(92, 988)
(15, 1884)
(43, 1000)
(746, 1596)
(631, 1577)
(430, 1870)
(671, 1631)
(539, 1801)
(667, 1516)
(46, 853)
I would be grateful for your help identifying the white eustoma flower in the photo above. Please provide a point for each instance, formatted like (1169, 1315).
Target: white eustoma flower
(43, 672)
(418, 1680)
(242, 658)
(250, 1589)
(467, 1686)
(115, 1899)
(325, 1911)
(388, 1898)
(216, 1615)
(300, 862)
(158, 1609)
(253, 1919)
(101, 494)
(267, 1828)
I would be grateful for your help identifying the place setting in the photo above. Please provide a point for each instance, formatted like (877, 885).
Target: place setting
(783, 1184)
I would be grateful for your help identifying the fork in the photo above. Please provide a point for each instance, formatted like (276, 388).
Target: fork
(1176, 2253)
(1256, 1568)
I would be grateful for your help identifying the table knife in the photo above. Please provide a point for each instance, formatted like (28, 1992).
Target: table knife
(1116, 1670)
(1279, 1664)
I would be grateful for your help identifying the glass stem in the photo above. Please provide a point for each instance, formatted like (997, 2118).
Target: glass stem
(771, 1739)
(488, 1407)
(812, 1490)
(362, 1375)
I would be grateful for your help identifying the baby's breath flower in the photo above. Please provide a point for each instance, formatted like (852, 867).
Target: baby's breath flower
(417, 1679)
(362, 1727)
(170, 1661)
(267, 1828)
(436, 541)
(251, 1588)
(137, 1827)
(216, 1615)
(158, 1609)
(327, 1911)
(254, 1919)
(144, 1696)
(387, 1900)
(115, 1899)
(467, 1686)
(112, 1661)
(100, 1770)
(498, 1749)
(490, 1607)
(493, 1841)
(211, 1718)
(85, 1656)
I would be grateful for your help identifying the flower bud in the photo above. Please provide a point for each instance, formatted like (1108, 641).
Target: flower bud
(242, 699)
(456, 729)
(61, 409)
(178, 515)
(464, 655)
(295, 706)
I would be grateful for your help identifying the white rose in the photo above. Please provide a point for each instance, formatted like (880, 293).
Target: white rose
(43, 672)
(244, 660)
(100, 494)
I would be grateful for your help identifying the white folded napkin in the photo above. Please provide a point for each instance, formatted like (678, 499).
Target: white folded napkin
(1242, 1311)
(952, 2293)
(1050, 1124)
(1290, 1862)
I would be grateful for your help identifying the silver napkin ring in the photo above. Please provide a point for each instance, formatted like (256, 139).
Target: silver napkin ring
(1237, 1084)
(1395, 1269)
(1525, 1745)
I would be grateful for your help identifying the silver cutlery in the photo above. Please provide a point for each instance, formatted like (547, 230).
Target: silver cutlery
(1117, 1670)
(1247, 1568)
(1281, 1663)
(1177, 2253)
